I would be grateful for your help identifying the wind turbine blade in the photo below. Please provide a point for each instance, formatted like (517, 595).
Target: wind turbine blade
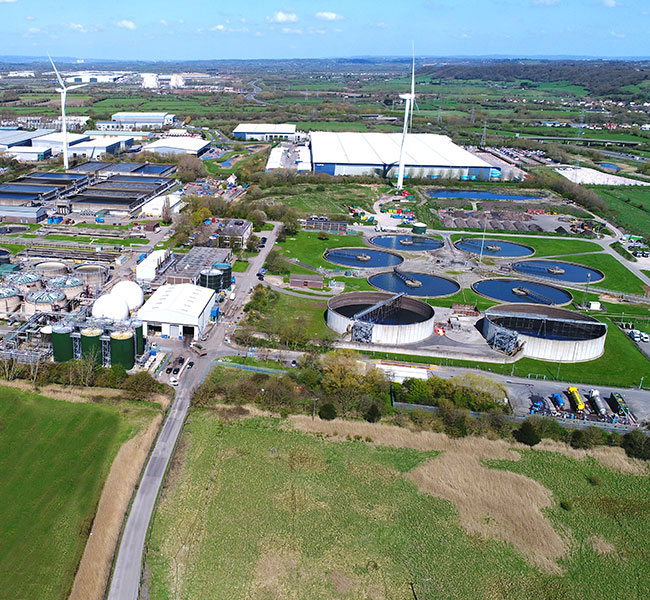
(76, 87)
(413, 70)
(56, 72)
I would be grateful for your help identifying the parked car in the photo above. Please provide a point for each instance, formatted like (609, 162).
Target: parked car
(168, 370)
(190, 364)
(175, 371)
(173, 381)
(181, 360)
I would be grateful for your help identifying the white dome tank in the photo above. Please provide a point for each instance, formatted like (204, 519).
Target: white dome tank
(130, 292)
(111, 307)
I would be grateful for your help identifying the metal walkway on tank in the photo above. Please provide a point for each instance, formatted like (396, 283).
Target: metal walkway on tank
(380, 311)
(407, 279)
(538, 296)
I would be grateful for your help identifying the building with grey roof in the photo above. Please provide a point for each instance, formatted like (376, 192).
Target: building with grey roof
(22, 214)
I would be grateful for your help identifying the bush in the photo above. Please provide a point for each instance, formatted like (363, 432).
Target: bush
(373, 414)
(527, 434)
(636, 445)
(323, 236)
(327, 412)
(566, 505)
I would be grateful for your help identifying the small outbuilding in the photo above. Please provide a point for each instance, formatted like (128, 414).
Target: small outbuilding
(308, 281)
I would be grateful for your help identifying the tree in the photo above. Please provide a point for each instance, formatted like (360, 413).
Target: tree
(636, 444)
(166, 213)
(190, 168)
(527, 434)
(327, 412)
(199, 216)
(373, 414)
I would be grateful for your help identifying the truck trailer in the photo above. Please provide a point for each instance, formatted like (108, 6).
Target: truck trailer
(576, 398)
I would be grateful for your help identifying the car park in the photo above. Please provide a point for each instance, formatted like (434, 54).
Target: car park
(168, 370)
(190, 364)
(175, 371)
(181, 360)
(173, 381)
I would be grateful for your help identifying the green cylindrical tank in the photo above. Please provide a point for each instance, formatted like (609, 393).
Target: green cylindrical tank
(91, 346)
(62, 343)
(226, 278)
(419, 228)
(122, 349)
(211, 279)
(139, 337)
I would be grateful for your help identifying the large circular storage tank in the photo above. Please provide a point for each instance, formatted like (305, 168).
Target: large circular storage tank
(226, 269)
(419, 228)
(4, 256)
(110, 307)
(62, 343)
(26, 281)
(91, 346)
(9, 298)
(212, 279)
(51, 268)
(123, 349)
(92, 273)
(547, 332)
(139, 337)
(44, 301)
(130, 292)
(71, 286)
(46, 333)
(411, 322)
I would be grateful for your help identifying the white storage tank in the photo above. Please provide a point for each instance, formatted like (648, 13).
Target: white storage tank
(71, 286)
(92, 273)
(130, 292)
(26, 281)
(44, 301)
(110, 307)
(9, 298)
(51, 268)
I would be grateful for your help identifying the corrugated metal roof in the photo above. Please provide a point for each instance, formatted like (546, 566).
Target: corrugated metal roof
(420, 150)
(20, 138)
(180, 304)
(28, 211)
(189, 144)
(272, 128)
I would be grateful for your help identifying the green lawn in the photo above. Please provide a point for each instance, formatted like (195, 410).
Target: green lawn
(310, 312)
(331, 126)
(240, 266)
(54, 458)
(257, 510)
(307, 248)
(629, 207)
(550, 246)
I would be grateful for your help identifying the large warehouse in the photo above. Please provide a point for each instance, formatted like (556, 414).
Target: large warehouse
(178, 145)
(426, 155)
(133, 120)
(177, 310)
(264, 132)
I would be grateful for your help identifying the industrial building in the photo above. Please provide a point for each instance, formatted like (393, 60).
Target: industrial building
(120, 194)
(22, 214)
(234, 233)
(178, 145)
(188, 268)
(55, 141)
(148, 269)
(95, 77)
(265, 132)
(147, 120)
(154, 207)
(309, 281)
(325, 225)
(28, 153)
(39, 187)
(17, 137)
(94, 147)
(544, 332)
(426, 155)
(132, 134)
(178, 310)
(104, 169)
(380, 318)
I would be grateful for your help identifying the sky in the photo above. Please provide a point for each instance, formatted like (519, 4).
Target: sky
(249, 29)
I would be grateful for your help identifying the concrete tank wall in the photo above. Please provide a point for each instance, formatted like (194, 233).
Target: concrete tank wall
(383, 334)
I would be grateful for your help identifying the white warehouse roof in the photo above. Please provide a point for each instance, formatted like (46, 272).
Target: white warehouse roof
(191, 145)
(420, 149)
(56, 139)
(282, 129)
(180, 304)
(145, 115)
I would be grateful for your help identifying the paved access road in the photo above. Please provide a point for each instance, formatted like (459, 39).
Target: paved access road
(125, 582)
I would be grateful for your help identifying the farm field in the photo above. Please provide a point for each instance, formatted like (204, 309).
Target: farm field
(256, 509)
(630, 208)
(54, 459)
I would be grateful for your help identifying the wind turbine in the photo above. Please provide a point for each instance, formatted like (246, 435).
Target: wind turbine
(64, 92)
(409, 100)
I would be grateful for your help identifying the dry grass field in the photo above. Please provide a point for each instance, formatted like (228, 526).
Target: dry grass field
(256, 508)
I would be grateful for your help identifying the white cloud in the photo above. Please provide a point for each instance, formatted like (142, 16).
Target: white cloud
(7, 1)
(125, 24)
(30, 17)
(163, 22)
(317, 31)
(617, 35)
(33, 30)
(77, 27)
(546, 2)
(609, 3)
(292, 30)
(282, 17)
(381, 25)
(328, 16)
(218, 28)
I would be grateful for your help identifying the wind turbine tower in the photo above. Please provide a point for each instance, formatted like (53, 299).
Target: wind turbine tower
(64, 129)
(409, 100)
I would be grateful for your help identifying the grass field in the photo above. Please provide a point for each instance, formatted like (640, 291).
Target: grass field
(54, 458)
(256, 510)
(307, 248)
(308, 311)
(240, 266)
(617, 277)
(629, 206)
(328, 199)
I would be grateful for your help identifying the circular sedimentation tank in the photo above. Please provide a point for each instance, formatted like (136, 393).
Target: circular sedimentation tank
(62, 343)
(414, 284)
(123, 348)
(92, 273)
(522, 291)
(494, 247)
(91, 346)
(412, 243)
(5, 256)
(9, 298)
(24, 280)
(558, 270)
(411, 322)
(50, 268)
(71, 285)
(547, 332)
(362, 258)
(44, 301)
